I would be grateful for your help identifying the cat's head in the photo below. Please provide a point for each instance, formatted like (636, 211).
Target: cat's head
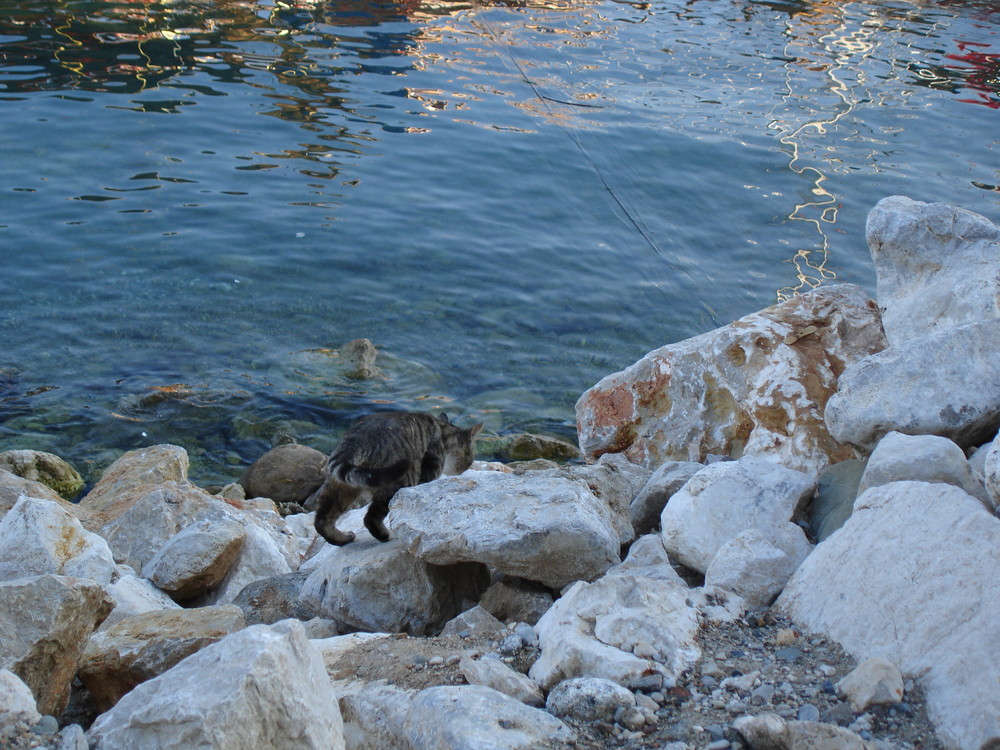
(459, 446)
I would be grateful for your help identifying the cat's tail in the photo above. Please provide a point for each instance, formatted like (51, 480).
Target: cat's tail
(363, 476)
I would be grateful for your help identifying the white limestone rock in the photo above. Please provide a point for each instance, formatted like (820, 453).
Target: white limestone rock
(133, 595)
(141, 647)
(475, 623)
(376, 586)
(13, 488)
(493, 673)
(755, 387)
(593, 631)
(473, 717)
(549, 529)
(646, 508)
(937, 266)
(374, 714)
(946, 383)
(869, 586)
(196, 559)
(749, 565)
(920, 458)
(17, 704)
(46, 621)
(725, 499)
(771, 732)
(267, 550)
(39, 537)
(875, 681)
(648, 558)
(991, 474)
(588, 699)
(264, 686)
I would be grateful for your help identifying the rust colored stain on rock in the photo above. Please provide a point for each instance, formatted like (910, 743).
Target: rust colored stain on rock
(612, 407)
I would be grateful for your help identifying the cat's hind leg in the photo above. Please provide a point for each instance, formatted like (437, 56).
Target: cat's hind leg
(377, 512)
(331, 500)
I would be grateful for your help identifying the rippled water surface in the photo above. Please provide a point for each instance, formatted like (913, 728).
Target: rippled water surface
(201, 201)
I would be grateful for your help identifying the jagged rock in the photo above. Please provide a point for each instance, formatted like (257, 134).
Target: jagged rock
(13, 488)
(289, 473)
(493, 673)
(991, 474)
(130, 477)
(875, 681)
(516, 601)
(374, 714)
(375, 586)
(46, 621)
(725, 499)
(593, 630)
(755, 387)
(268, 550)
(475, 622)
(868, 587)
(359, 357)
(196, 559)
(771, 732)
(749, 565)
(472, 717)
(920, 458)
(648, 505)
(937, 266)
(946, 383)
(548, 529)
(834, 499)
(141, 647)
(17, 704)
(133, 595)
(45, 468)
(264, 686)
(647, 557)
(270, 600)
(38, 537)
(588, 699)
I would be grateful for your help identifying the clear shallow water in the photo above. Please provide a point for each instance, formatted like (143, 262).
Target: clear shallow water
(199, 201)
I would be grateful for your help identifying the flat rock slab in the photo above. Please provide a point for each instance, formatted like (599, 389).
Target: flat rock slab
(757, 386)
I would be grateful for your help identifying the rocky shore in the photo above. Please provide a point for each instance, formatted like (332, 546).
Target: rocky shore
(783, 534)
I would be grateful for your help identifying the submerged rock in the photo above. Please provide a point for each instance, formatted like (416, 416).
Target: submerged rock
(46, 468)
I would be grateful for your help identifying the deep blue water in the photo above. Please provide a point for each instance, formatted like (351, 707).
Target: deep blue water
(201, 200)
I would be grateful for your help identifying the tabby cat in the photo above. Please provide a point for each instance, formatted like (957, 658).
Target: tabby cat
(377, 456)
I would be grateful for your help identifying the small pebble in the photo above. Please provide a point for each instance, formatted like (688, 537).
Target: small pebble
(808, 712)
(736, 707)
(708, 682)
(787, 654)
(716, 732)
(436, 661)
(46, 725)
(784, 637)
(828, 670)
(718, 745)
(645, 650)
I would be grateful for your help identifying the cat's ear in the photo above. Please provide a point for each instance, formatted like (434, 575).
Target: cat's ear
(444, 418)
(475, 430)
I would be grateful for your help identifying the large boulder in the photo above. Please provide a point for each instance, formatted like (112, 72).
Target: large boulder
(622, 628)
(755, 387)
(645, 509)
(13, 488)
(725, 499)
(196, 559)
(749, 565)
(139, 648)
(550, 529)
(289, 473)
(17, 704)
(38, 537)
(46, 621)
(946, 383)
(45, 468)
(907, 578)
(376, 586)
(938, 266)
(264, 686)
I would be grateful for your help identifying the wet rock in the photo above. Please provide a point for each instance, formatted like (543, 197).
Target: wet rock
(526, 446)
(45, 468)
(749, 565)
(493, 673)
(588, 699)
(374, 586)
(472, 717)
(868, 586)
(264, 686)
(38, 537)
(755, 387)
(937, 266)
(834, 499)
(359, 358)
(725, 499)
(139, 648)
(548, 529)
(46, 621)
(270, 600)
(644, 511)
(197, 559)
(920, 458)
(875, 681)
(593, 629)
(289, 473)
(945, 384)
(17, 704)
